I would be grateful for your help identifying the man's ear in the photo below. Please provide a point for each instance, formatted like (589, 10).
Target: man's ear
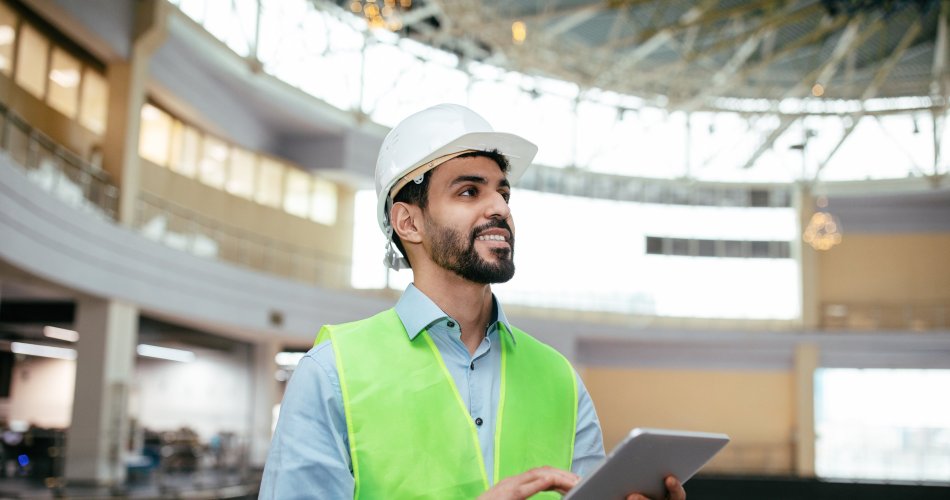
(406, 220)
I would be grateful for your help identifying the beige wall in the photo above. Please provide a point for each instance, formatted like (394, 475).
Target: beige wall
(56, 125)
(889, 269)
(755, 408)
(237, 212)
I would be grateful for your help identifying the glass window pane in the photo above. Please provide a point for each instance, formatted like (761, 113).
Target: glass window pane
(64, 75)
(269, 183)
(155, 135)
(31, 61)
(882, 424)
(7, 39)
(323, 202)
(95, 102)
(297, 193)
(214, 161)
(186, 143)
(241, 173)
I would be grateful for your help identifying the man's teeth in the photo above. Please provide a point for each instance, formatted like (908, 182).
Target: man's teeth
(491, 237)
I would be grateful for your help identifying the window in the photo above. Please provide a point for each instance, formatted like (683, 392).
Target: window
(882, 424)
(155, 135)
(94, 102)
(32, 57)
(185, 148)
(64, 76)
(7, 39)
(269, 183)
(323, 202)
(241, 178)
(212, 169)
(297, 193)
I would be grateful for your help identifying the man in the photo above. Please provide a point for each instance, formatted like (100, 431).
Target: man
(439, 397)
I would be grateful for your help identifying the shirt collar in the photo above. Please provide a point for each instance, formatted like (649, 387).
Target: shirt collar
(417, 312)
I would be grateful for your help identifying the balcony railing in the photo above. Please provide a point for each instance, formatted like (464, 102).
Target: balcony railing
(62, 173)
(870, 316)
(181, 228)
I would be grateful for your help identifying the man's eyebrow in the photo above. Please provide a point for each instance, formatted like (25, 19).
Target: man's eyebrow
(469, 178)
(478, 180)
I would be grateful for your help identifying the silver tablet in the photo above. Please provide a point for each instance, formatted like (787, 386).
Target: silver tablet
(642, 461)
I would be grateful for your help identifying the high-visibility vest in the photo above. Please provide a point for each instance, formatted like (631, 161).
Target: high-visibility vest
(411, 435)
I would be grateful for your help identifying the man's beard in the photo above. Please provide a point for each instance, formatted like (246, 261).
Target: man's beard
(451, 252)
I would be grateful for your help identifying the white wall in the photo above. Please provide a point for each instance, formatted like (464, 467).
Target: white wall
(209, 395)
(41, 391)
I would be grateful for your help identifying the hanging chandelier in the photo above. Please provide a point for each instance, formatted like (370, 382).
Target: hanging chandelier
(382, 13)
(823, 230)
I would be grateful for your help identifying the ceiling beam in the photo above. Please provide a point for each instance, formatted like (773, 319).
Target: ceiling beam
(766, 27)
(786, 121)
(648, 45)
(696, 16)
(872, 89)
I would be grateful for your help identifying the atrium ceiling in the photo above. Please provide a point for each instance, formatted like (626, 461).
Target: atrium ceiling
(690, 54)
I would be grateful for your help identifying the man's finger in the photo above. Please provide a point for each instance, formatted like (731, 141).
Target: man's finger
(674, 489)
(547, 479)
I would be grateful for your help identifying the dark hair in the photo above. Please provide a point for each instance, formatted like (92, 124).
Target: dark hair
(418, 194)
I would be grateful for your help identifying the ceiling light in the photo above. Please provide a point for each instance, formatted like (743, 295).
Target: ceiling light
(154, 351)
(60, 333)
(43, 351)
(518, 32)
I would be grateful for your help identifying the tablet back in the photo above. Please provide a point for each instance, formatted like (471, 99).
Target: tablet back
(641, 462)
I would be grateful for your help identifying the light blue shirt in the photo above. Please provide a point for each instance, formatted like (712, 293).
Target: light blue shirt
(310, 455)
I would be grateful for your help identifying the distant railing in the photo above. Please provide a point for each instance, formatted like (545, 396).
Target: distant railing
(182, 228)
(868, 316)
(61, 172)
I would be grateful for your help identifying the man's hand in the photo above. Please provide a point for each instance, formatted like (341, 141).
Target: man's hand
(534, 481)
(674, 491)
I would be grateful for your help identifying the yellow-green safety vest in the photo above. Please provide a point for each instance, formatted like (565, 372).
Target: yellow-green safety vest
(411, 435)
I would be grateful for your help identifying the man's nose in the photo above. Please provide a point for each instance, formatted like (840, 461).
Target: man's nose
(498, 207)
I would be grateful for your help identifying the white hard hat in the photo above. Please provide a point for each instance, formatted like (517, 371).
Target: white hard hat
(433, 133)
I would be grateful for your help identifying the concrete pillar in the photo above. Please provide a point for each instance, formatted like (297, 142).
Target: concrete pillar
(266, 394)
(807, 258)
(95, 442)
(127, 93)
(807, 359)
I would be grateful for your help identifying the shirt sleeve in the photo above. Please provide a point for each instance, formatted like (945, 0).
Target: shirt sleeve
(588, 440)
(309, 456)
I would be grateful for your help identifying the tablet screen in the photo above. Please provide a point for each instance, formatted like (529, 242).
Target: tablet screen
(643, 459)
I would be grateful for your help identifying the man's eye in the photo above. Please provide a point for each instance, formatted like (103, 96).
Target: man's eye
(506, 196)
(469, 192)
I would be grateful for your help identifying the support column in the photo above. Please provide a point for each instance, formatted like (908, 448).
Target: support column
(807, 357)
(95, 442)
(266, 394)
(127, 93)
(807, 257)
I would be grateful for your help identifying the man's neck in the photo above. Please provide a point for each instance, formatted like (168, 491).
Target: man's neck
(468, 303)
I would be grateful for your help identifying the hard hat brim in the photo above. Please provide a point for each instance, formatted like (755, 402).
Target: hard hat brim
(519, 151)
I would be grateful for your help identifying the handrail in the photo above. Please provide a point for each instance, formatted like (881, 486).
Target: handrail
(56, 169)
(180, 227)
(871, 316)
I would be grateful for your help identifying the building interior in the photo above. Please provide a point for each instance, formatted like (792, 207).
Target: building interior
(760, 189)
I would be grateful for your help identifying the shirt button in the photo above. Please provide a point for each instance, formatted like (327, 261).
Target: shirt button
(478, 421)
(472, 366)
(450, 324)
